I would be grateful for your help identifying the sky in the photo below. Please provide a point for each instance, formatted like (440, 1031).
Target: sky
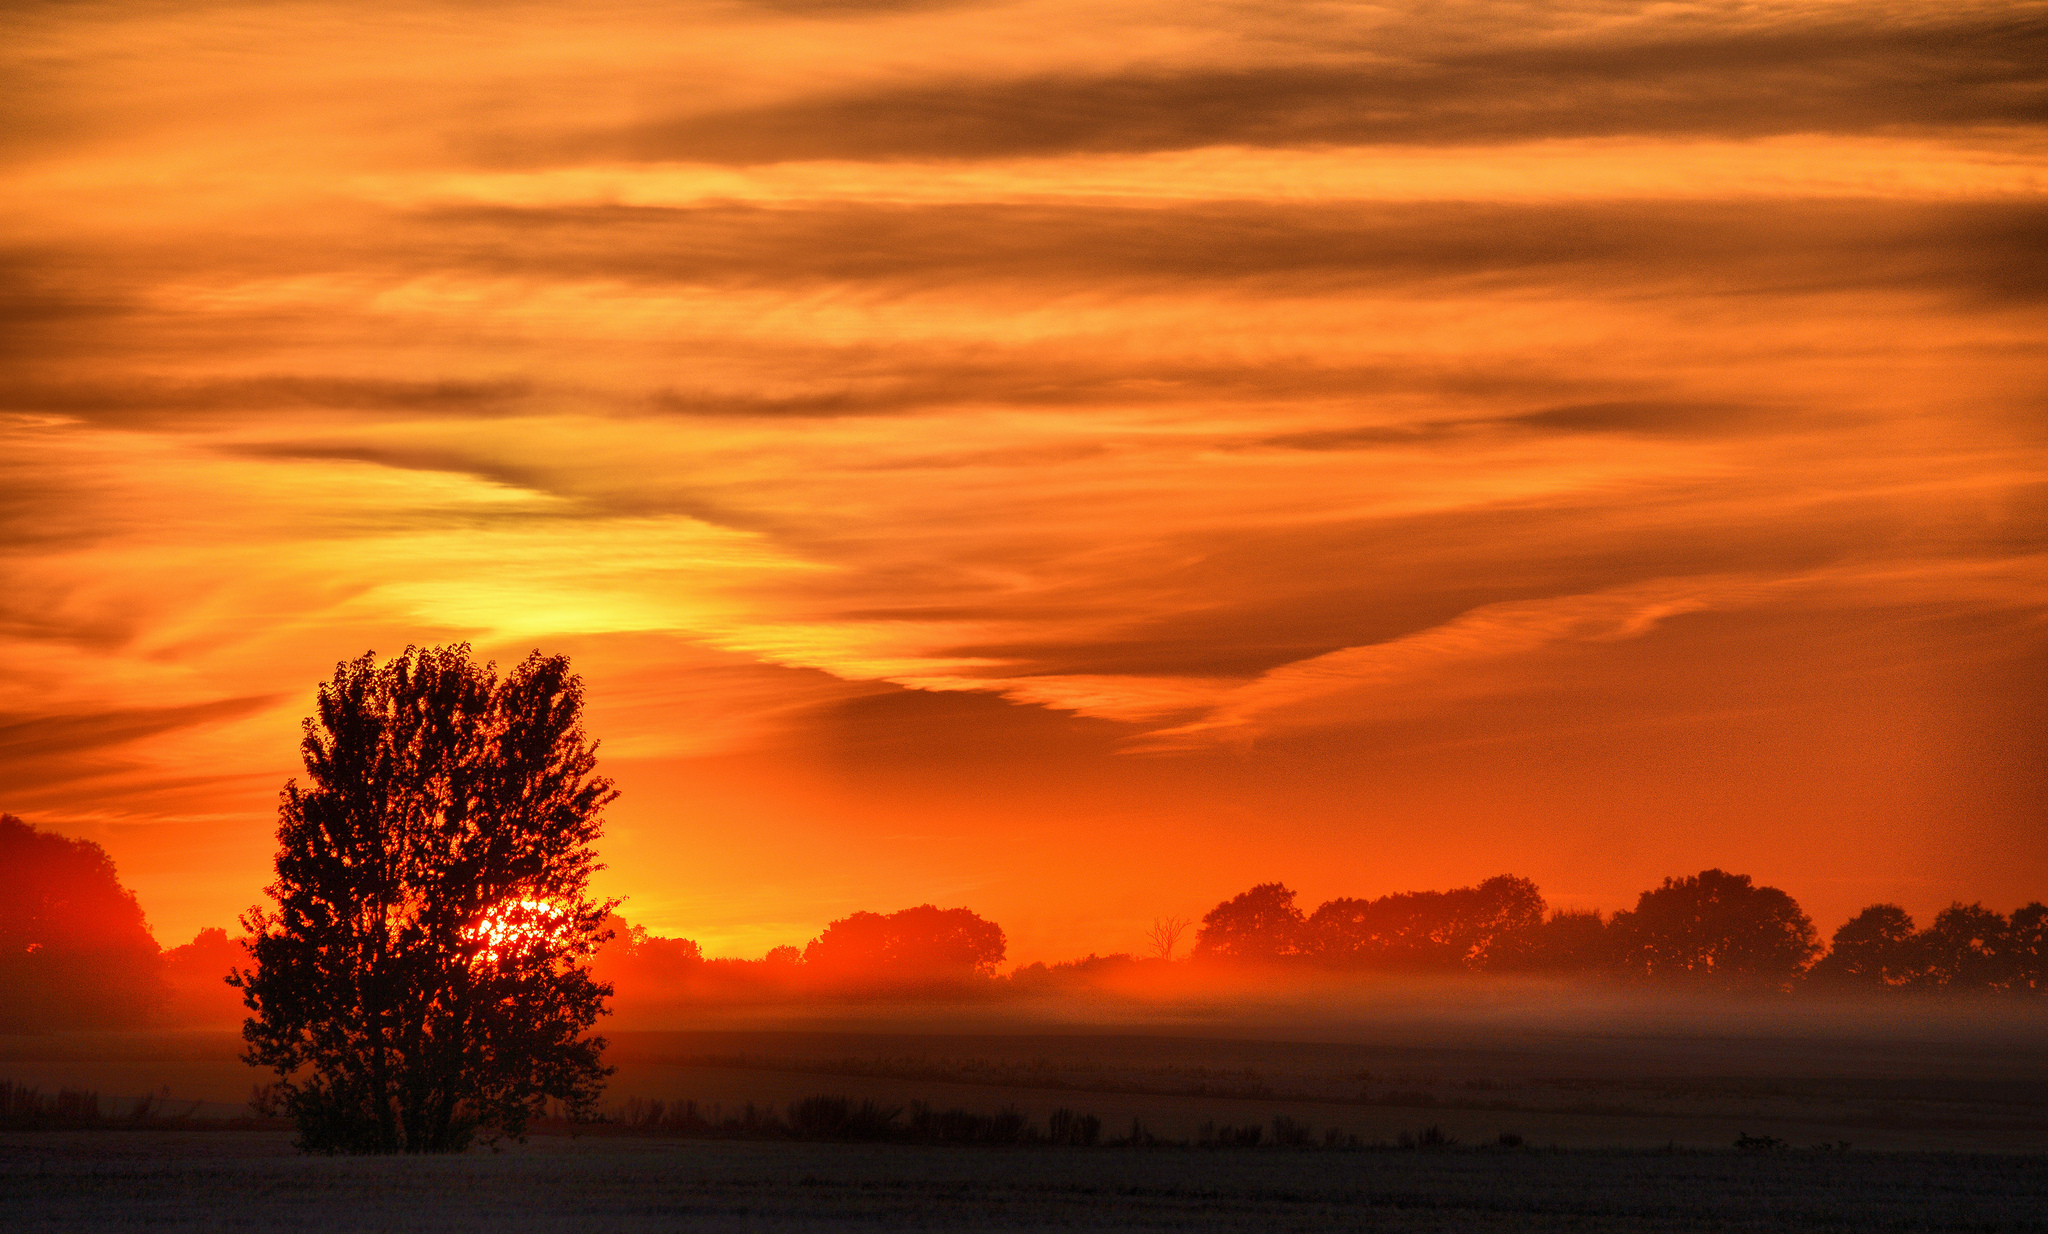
(1070, 460)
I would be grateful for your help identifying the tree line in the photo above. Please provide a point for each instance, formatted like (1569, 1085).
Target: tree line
(76, 952)
(1708, 928)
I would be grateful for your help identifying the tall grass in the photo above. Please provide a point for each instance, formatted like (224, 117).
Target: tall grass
(845, 1120)
(26, 1108)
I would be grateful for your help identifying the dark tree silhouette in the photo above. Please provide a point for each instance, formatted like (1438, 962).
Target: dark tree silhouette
(425, 975)
(1876, 949)
(1966, 948)
(75, 951)
(1715, 926)
(1498, 922)
(1491, 926)
(1165, 935)
(914, 946)
(1261, 924)
(2026, 940)
(1571, 940)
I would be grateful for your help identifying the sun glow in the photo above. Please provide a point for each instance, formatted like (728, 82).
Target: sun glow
(515, 928)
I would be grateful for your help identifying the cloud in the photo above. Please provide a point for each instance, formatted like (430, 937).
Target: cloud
(206, 402)
(1966, 68)
(34, 739)
(1449, 664)
(1318, 247)
(512, 475)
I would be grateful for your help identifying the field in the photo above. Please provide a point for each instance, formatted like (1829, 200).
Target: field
(226, 1180)
(1936, 1123)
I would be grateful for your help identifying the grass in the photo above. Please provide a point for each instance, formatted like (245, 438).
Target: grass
(27, 1108)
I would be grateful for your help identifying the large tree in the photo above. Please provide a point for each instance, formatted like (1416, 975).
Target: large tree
(425, 972)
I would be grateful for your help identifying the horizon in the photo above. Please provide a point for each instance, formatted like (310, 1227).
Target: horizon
(1071, 462)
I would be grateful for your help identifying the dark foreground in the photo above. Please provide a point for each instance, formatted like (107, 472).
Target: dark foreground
(250, 1180)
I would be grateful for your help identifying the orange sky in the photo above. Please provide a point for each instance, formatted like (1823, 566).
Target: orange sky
(1071, 460)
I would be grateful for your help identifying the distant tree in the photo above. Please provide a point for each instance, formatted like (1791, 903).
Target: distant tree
(1091, 971)
(1876, 949)
(2026, 940)
(647, 970)
(1498, 922)
(1718, 927)
(75, 951)
(1491, 926)
(197, 972)
(1165, 935)
(918, 946)
(1572, 940)
(1349, 932)
(1260, 924)
(425, 974)
(1966, 948)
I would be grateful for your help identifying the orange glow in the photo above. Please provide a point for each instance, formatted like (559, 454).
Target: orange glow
(1074, 461)
(514, 928)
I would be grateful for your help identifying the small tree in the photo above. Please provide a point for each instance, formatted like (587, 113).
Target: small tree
(1165, 935)
(425, 972)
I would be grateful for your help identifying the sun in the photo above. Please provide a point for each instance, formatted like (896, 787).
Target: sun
(512, 928)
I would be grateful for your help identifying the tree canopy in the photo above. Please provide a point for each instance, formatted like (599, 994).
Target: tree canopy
(1260, 924)
(1875, 949)
(424, 972)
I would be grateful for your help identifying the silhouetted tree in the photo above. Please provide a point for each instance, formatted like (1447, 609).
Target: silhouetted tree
(2026, 939)
(1876, 949)
(1966, 948)
(1715, 926)
(911, 947)
(425, 972)
(1572, 940)
(1165, 935)
(75, 951)
(1497, 922)
(1493, 925)
(1261, 924)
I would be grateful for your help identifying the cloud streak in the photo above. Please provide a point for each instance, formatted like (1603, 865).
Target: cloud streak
(1962, 68)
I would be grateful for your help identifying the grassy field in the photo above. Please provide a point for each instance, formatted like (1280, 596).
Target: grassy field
(1935, 1123)
(230, 1180)
(1941, 1085)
